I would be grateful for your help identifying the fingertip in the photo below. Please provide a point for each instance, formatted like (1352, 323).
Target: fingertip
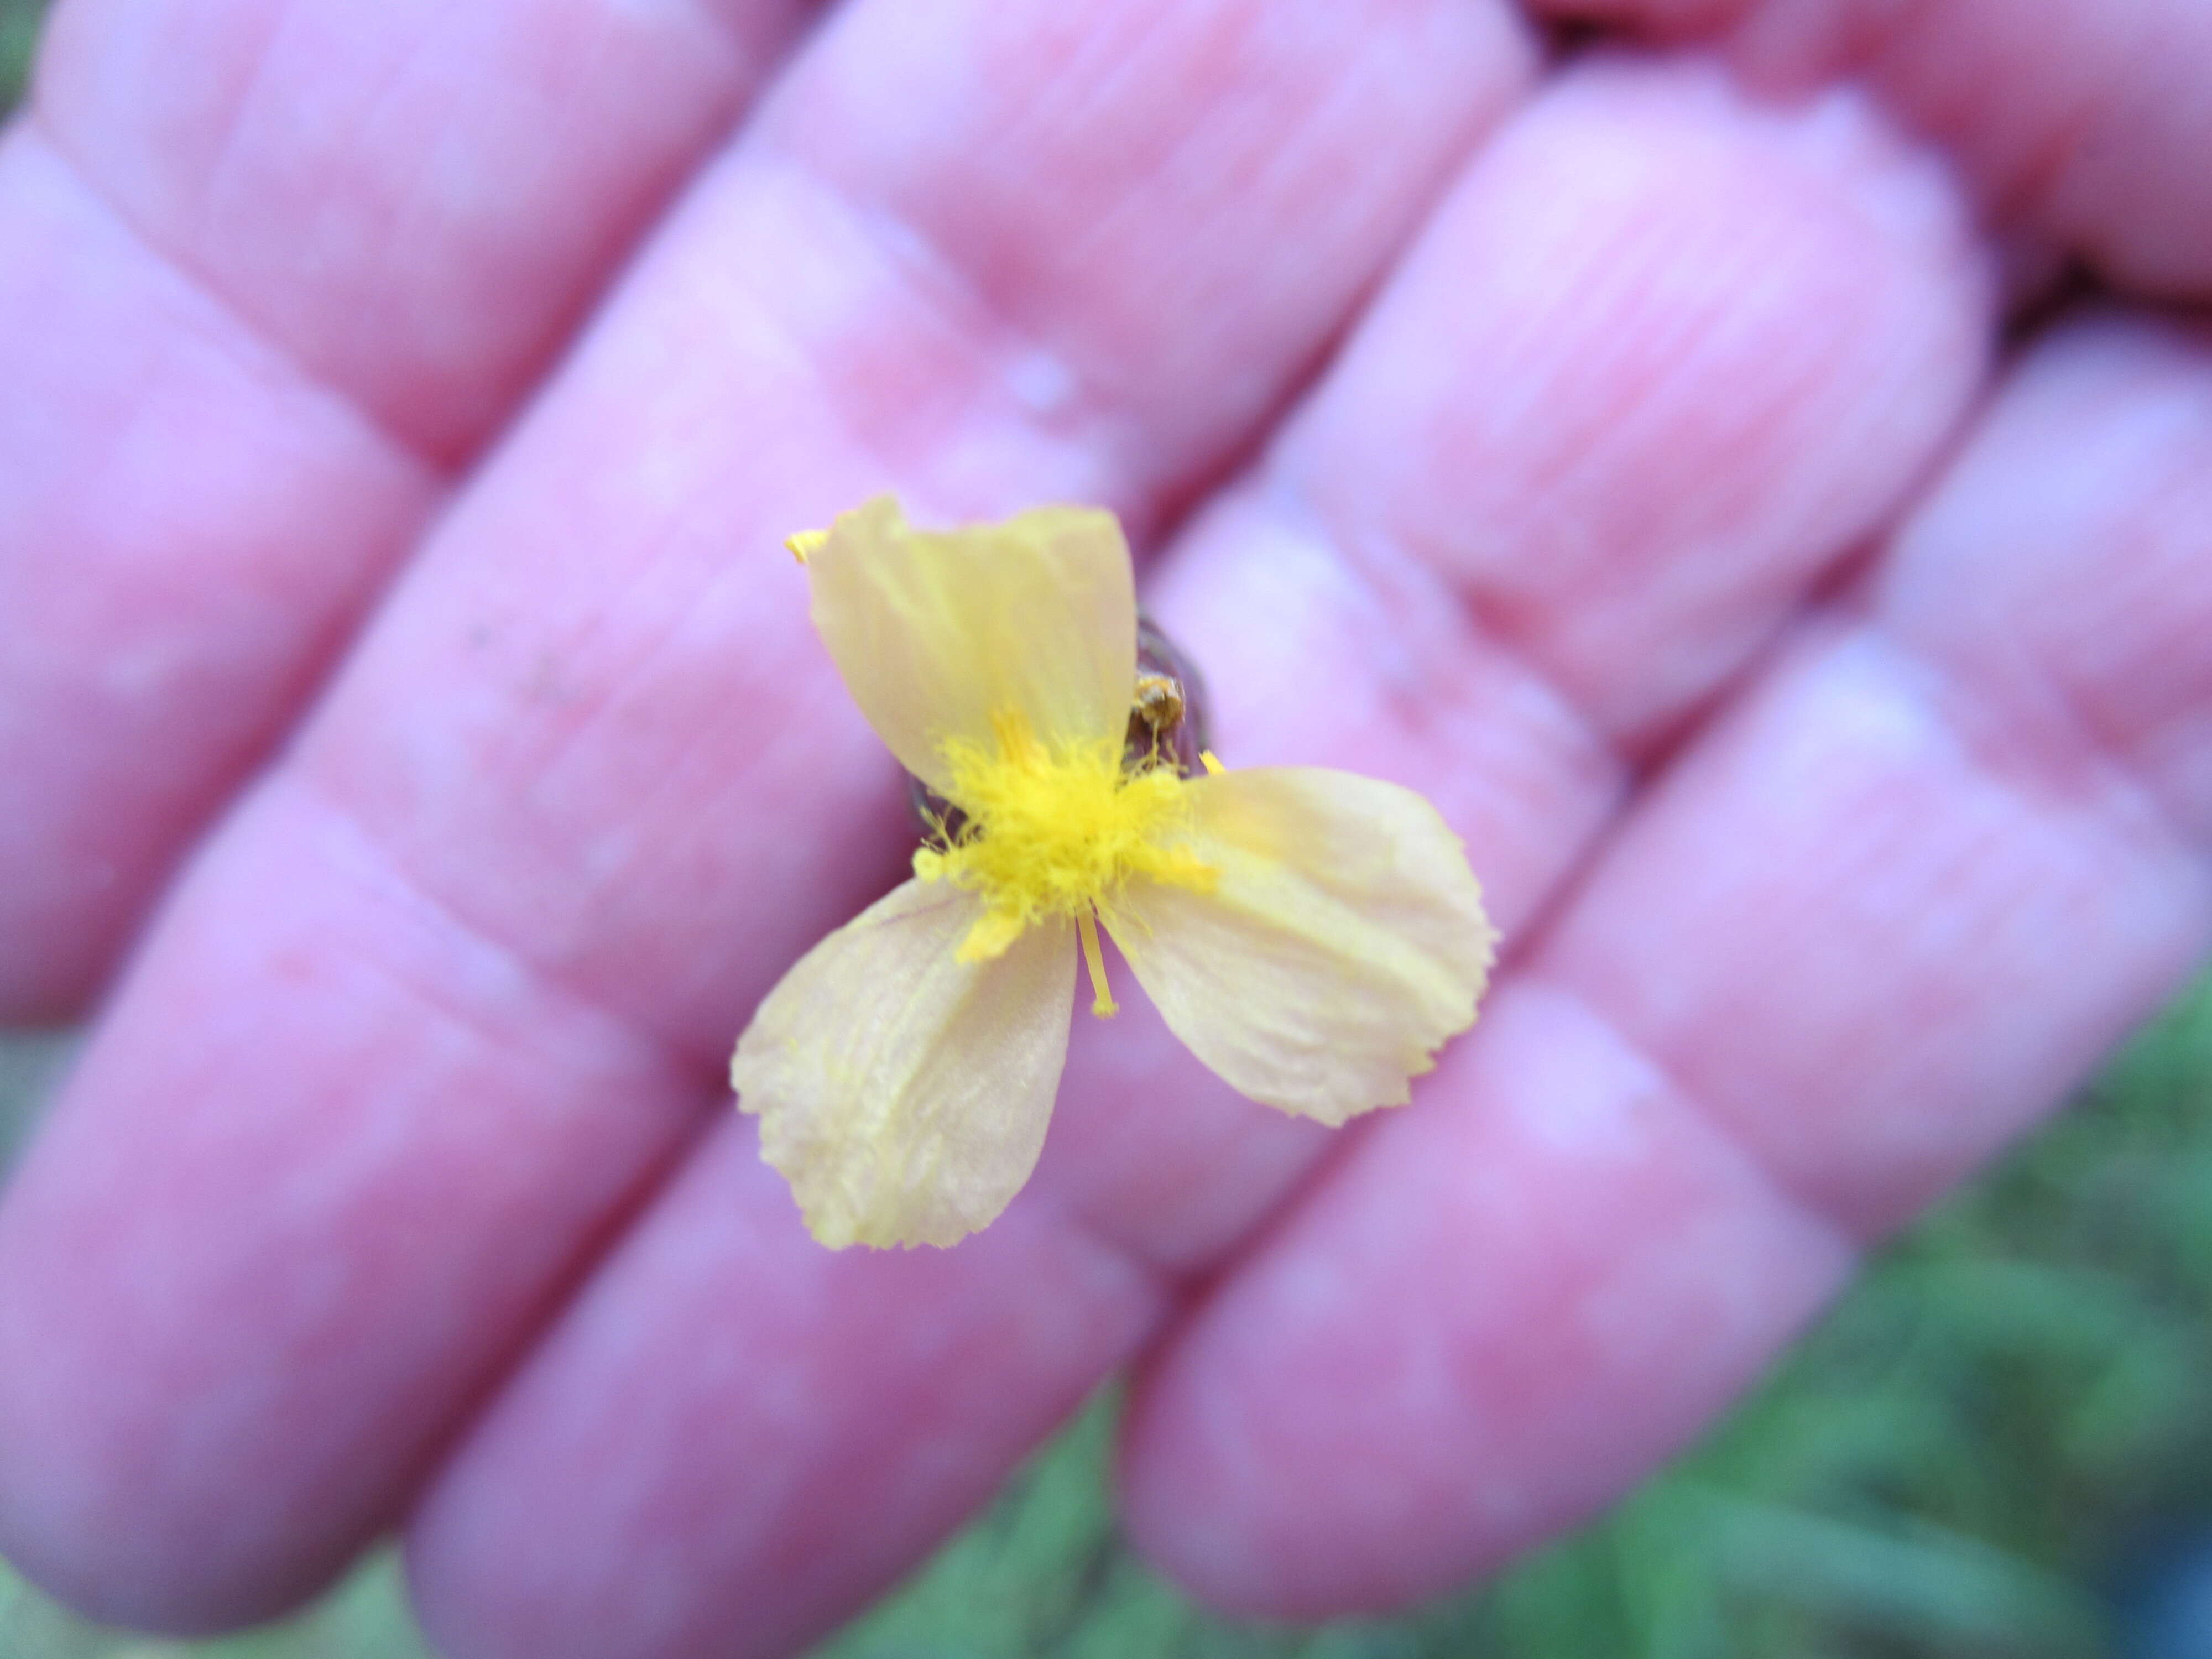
(90, 1506)
(1189, 1514)
(322, 1171)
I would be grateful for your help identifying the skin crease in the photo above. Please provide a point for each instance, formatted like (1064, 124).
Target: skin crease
(1620, 454)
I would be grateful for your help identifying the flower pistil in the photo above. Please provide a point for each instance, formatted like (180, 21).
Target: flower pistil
(1054, 831)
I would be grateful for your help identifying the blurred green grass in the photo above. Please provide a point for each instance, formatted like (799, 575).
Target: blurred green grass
(2012, 1404)
(19, 34)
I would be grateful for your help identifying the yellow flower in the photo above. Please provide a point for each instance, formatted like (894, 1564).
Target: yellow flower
(1311, 935)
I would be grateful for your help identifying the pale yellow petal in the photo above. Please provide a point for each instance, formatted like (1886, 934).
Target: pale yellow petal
(1342, 943)
(936, 632)
(902, 1092)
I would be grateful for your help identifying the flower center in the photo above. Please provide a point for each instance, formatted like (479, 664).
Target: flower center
(1054, 831)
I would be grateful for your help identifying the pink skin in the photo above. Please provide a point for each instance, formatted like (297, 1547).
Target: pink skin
(270, 304)
(1823, 702)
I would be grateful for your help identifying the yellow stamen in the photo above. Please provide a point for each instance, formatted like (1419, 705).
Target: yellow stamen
(1103, 1003)
(1214, 768)
(805, 544)
(1053, 829)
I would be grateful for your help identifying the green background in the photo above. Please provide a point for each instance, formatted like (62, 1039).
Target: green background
(1985, 1450)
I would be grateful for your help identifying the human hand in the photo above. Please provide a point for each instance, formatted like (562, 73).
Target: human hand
(1823, 703)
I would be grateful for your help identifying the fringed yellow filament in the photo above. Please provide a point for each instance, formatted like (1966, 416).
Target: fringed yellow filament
(1103, 1003)
(1214, 768)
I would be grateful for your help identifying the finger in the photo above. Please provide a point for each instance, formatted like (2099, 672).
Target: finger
(1941, 857)
(186, 527)
(271, 272)
(2082, 123)
(806, 1399)
(1621, 207)
(414, 202)
(1510, 585)
(586, 770)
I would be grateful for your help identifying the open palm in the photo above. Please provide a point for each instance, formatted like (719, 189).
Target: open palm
(406, 404)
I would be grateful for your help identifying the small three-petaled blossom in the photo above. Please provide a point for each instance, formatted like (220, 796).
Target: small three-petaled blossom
(1313, 936)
